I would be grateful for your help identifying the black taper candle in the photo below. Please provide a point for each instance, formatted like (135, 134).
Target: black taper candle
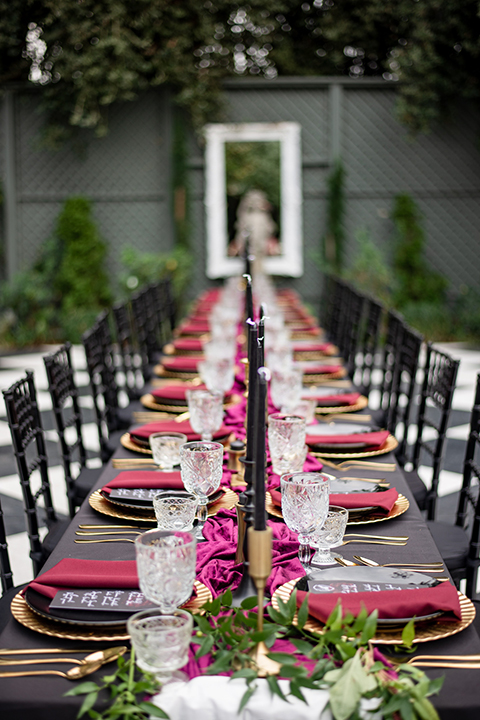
(260, 520)
(248, 298)
(248, 263)
(261, 337)
(252, 392)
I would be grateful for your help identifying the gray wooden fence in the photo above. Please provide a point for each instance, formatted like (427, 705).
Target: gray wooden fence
(127, 175)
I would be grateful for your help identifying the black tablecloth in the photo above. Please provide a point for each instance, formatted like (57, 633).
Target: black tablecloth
(41, 698)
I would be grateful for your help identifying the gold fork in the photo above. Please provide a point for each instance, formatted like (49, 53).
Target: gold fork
(348, 464)
(82, 541)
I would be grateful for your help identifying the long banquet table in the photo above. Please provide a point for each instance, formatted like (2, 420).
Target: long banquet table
(41, 698)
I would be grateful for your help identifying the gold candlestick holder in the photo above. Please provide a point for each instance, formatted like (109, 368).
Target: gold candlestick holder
(260, 567)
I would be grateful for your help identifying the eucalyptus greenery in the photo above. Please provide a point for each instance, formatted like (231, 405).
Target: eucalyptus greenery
(124, 690)
(345, 663)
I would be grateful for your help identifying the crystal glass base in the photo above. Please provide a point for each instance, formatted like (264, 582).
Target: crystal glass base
(325, 557)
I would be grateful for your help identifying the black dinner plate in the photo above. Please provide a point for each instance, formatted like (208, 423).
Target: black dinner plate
(340, 429)
(40, 604)
(147, 505)
(372, 575)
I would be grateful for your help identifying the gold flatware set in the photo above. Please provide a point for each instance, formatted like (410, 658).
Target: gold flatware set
(89, 664)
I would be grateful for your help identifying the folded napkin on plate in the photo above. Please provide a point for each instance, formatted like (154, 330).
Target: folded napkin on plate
(373, 440)
(188, 344)
(148, 479)
(321, 369)
(384, 500)
(313, 347)
(338, 399)
(390, 603)
(174, 392)
(73, 572)
(181, 363)
(195, 328)
(144, 432)
(178, 392)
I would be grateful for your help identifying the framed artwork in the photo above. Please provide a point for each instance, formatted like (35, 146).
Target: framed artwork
(253, 190)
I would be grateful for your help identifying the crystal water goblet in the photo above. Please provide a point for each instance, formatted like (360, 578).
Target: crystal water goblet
(161, 642)
(286, 442)
(330, 535)
(206, 411)
(286, 387)
(218, 375)
(175, 509)
(165, 449)
(166, 566)
(304, 507)
(201, 465)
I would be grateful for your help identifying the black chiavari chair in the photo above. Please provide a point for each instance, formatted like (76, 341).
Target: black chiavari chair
(28, 441)
(440, 374)
(68, 418)
(459, 544)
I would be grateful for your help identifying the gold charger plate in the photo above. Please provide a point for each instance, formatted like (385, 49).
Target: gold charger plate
(390, 444)
(361, 404)
(312, 379)
(400, 507)
(149, 402)
(392, 635)
(29, 619)
(101, 505)
(161, 372)
(128, 444)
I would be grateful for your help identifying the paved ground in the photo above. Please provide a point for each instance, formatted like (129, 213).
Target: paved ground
(12, 367)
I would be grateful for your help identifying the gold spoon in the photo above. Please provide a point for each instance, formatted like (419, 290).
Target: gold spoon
(102, 656)
(75, 673)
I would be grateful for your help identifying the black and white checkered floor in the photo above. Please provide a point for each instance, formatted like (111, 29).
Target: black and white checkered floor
(12, 367)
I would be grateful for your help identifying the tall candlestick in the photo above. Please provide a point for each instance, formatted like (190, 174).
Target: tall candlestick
(248, 298)
(260, 520)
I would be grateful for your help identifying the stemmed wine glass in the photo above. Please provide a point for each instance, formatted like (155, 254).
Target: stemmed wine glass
(206, 411)
(201, 465)
(330, 535)
(305, 507)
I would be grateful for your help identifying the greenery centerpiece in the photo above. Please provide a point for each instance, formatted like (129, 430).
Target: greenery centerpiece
(345, 663)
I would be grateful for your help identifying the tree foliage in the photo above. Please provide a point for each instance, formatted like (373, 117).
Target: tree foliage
(87, 54)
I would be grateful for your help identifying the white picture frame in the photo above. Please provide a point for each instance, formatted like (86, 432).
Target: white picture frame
(290, 261)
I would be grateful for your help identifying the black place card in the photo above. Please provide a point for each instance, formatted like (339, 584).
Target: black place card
(101, 600)
(141, 494)
(320, 587)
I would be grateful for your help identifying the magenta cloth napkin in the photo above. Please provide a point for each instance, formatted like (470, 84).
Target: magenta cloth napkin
(216, 566)
(182, 363)
(321, 369)
(149, 479)
(313, 347)
(144, 432)
(390, 603)
(195, 328)
(188, 344)
(73, 572)
(373, 440)
(338, 400)
(383, 500)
